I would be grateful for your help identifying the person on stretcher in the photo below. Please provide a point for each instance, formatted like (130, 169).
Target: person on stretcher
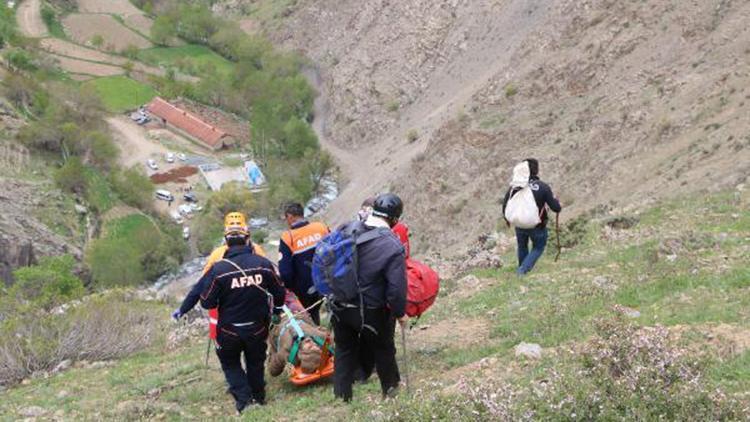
(283, 336)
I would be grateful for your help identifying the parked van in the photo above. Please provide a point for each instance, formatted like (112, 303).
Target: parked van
(164, 195)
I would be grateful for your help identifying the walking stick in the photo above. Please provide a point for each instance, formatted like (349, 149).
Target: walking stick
(208, 350)
(557, 229)
(406, 360)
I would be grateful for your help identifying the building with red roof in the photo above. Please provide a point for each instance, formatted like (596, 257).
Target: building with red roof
(188, 124)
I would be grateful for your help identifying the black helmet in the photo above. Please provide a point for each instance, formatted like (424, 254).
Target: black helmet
(388, 205)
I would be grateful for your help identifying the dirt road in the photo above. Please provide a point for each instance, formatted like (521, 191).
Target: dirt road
(134, 145)
(29, 19)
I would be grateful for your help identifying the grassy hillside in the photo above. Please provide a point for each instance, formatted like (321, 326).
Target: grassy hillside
(668, 296)
(120, 93)
(191, 59)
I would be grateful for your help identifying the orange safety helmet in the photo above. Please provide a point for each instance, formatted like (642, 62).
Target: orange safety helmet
(235, 223)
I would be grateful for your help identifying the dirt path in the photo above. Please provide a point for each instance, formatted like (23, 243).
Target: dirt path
(29, 17)
(134, 144)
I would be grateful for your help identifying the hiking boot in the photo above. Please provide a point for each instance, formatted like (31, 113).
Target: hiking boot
(240, 406)
(391, 393)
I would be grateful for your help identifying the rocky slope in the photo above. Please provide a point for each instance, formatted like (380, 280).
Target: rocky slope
(24, 238)
(623, 102)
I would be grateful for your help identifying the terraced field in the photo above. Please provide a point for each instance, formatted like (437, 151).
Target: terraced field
(114, 36)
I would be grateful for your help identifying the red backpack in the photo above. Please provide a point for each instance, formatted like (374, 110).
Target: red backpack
(423, 284)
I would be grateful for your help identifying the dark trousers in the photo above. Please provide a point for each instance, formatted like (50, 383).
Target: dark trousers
(307, 301)
(351, 339)
(246, 385)
(527, 259)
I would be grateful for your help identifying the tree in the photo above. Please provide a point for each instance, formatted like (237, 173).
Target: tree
(320, 165)
(164, 30)
(71, 176)
(231, 197)
(298, 138)
(133, 187)
(103, 151)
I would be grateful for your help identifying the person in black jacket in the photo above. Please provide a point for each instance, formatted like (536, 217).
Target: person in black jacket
(538, 235)
(246, 290)
(369, 323)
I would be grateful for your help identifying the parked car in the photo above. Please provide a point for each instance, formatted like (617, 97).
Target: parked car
(152, 164)
(169, 157)
(186, 232)
(164, 195)
(190, 197)
(182, 156)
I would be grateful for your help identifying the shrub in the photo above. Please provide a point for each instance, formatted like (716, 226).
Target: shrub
(412, 135)
(207, 232)
(21, 59)
(97, 41)
(71, 176)
(103, 150)
(133, 187)
(163, 30)
(259, 236)
(48, 15)
(510, 90)
(47, 284)
(231, 197)
(130, 52)
(102, 327)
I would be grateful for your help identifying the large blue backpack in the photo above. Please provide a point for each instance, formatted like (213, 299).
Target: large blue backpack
(334, 265)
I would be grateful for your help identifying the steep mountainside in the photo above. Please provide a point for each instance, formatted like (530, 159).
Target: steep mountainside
(622, 102)
(37, 220)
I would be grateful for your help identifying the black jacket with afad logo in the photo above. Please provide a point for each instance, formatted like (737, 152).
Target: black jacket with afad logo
(245, 296)
(542, 195)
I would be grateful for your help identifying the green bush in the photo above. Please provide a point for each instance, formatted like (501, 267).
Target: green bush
(412, 135)
(133, 187)
(47, 284)
(7, 25)
(132, 250)
(259, 236)
(164, 30)
(48, 15)
(21, 59)
(231, 197)
(207, 232)
(71, 176)
(103, 150)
